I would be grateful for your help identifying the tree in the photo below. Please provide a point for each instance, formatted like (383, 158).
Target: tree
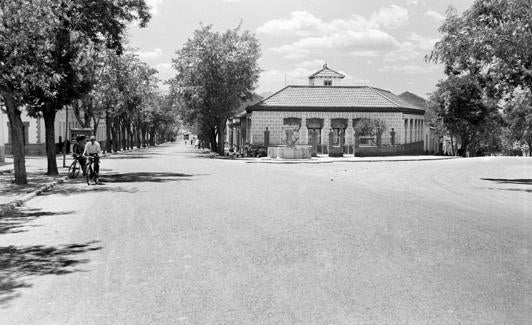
(519, 117)
(79, 23)
(24, 64)
(492, 42)
(214, 71)
(459, 104)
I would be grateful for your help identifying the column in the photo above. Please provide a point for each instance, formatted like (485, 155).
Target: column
(325, 134)
(303, 131)
(411, 130)
(349, 134)
(405, 126)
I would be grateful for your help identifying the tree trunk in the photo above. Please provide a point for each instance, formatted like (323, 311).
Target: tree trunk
(152, 137)
(139, 142)
(221, 131)
(116, 135)
(107, 133)
(17, 140)
(130, 138)
(143, 130)
(123, 137)
(51, 155)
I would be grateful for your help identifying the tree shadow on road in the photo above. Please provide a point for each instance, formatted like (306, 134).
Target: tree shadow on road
(518, 181)
(19, 264)
(146, 156)
(15, 221)
(140, 177)
(81, 187)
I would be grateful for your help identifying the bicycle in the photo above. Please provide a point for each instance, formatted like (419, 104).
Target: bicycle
(75, 167)
(91, 174)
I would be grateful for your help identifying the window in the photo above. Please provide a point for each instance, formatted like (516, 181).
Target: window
(327, 82)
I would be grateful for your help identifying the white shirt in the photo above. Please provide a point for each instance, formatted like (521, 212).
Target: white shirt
(92, 148)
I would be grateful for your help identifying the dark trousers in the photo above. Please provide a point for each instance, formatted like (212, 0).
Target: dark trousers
(82, 162)
(96, 164)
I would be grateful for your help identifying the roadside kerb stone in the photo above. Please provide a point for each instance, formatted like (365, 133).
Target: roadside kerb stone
(340, 160)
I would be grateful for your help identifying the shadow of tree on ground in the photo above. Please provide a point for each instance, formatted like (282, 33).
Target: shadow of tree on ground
(18, 264)
(81, 187)
(146, 156)
(140, 177)
(15, 221)
(519, 181)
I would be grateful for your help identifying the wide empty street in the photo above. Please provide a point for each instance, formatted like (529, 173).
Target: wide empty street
(175, 237)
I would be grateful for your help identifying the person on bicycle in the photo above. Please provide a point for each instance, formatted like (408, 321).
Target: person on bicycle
(93, 149)
(77, 151)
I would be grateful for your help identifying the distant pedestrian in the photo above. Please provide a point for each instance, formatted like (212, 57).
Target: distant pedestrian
(197, 144)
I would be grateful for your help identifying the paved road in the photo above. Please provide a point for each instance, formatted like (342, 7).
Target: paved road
(176, 238)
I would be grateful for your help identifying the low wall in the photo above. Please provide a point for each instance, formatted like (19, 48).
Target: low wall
(31, 149)
(416, 148)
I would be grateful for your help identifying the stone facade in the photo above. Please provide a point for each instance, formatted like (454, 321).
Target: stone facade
(274, 121)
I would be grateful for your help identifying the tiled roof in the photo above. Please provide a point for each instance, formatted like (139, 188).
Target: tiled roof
(326, 73)
(335, 97)
(414, 99)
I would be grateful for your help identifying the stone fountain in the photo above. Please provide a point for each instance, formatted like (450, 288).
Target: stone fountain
(289, 137)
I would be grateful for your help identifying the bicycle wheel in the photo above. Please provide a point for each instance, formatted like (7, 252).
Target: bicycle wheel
(89, 172)
(73, 170)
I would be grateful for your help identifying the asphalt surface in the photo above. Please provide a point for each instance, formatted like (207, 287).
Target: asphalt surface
(173, 237)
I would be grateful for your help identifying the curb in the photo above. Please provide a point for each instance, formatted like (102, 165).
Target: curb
(9, 207)
(289, 162)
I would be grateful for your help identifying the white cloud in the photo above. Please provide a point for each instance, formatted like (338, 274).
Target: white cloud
(357, 34)
(390, 17)
(413, 49)
(300, 23)
(303, 23)
(163, 67)
(348, 41)
(410, 68)
(434, 14)
(154, 5)
(150, 55)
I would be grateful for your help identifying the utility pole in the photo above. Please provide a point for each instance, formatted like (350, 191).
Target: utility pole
(66, 137)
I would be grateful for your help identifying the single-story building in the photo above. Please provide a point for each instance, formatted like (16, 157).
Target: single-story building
(337, 119)
(34, 131)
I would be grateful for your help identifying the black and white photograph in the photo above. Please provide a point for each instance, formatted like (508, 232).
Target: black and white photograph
(228, 162)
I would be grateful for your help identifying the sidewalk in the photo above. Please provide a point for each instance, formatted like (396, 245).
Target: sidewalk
(36, 169)
(38, 181)
(324, 159)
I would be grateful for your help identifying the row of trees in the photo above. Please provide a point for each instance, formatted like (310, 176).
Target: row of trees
(59, 53)
(125, 94)
(216, 73)
(485, 103)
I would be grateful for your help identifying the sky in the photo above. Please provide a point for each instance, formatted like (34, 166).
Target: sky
(380, 43)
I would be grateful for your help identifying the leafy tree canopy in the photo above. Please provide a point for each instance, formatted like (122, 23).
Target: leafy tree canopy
(492, 39)
(214, 72)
